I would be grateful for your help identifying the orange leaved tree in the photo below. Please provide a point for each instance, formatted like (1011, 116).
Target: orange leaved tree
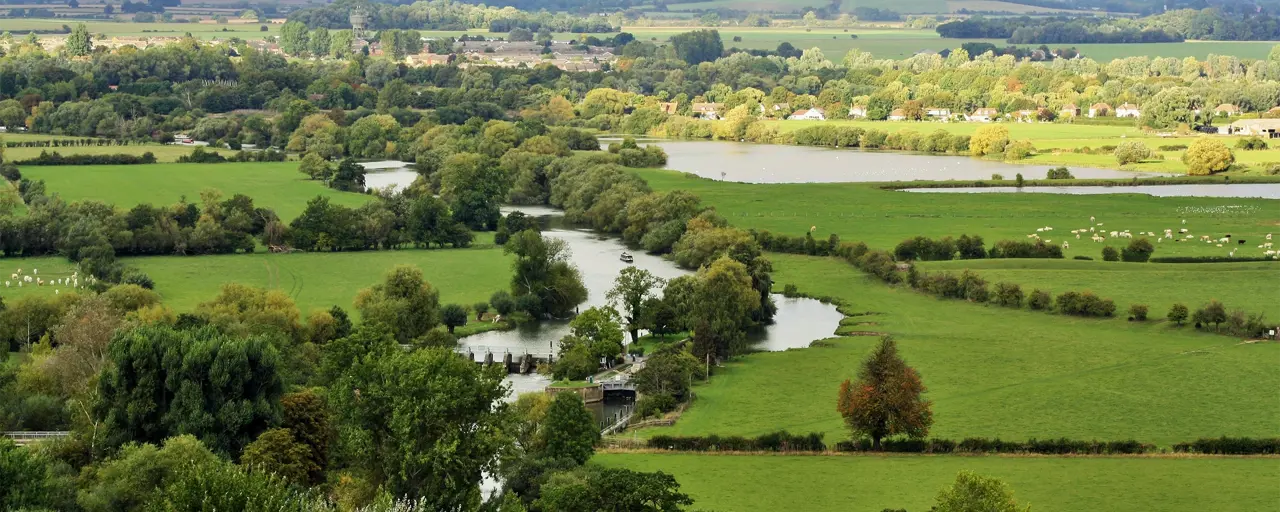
(887, 399)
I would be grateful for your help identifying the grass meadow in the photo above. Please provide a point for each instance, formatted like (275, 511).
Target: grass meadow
(1249, 285)
(1048, 484)
(997, 372)
(314, 280)
(276, 185)
(883, 218)
(113, 29)
(163, 152)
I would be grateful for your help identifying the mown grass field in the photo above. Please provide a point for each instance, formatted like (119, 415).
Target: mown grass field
(883, 218)
(314, 280)
(163, 152)
(276, 185)
(1048, 484)
(129, 29)
(997, 372)
(1251, 286)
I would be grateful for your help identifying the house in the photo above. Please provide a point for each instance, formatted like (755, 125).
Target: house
(938, 112)
(706, 110)
(898, 115)
(1128, 110)
(1226, 109)
(813, 114)
(984, 115)
(858, 111)
(1069, 110)
(181, 138)
(668, 107)
(1025, 116)
(1099, 110)
(1266, 128)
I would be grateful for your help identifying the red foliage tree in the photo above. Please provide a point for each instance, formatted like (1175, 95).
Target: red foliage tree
(887, 398)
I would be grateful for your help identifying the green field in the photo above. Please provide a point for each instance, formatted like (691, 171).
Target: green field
(996, 372)
(1159, 286)
(276, 185)
(1049, 484)
(163, 152)
(158, 29)
(314, 280)
(883, 218)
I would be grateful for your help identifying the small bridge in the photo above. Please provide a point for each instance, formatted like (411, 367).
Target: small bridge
(23, 438)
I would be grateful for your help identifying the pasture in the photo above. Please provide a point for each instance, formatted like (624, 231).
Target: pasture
(883, 218)
(112, 29)
(997, 372)
(1250, 286)
(1048, 484)
(163, 152)
(313, 280)
(275, 185)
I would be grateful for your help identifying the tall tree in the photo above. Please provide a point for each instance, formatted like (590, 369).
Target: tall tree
(595, 488)
(542, 270)
(404, 301)
(431, 423)
(698, 46)
(79, 43)
(887, 398)
(569, 430)
(721, 309)
(293, 38)
(631, 290)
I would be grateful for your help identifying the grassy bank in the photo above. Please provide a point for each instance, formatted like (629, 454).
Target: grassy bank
(883, 218)
(1049, 484)
(995, 372)
(276, 185)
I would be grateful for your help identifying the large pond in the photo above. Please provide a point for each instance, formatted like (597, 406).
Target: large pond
(797, 324)
(1252, 190)
(388, 173)
(769, 163)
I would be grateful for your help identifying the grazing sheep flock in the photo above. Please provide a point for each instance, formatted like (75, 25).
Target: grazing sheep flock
(1099, 236)
(21, 279)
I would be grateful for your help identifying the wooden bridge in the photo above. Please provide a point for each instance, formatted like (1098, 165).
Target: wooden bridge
(23, 438)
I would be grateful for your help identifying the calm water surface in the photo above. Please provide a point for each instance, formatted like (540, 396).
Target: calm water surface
(776, 163)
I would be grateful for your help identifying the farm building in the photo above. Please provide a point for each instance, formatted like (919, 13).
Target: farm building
(984, 115)
(1266, 128)
(898, 115)
(1069, 110)
(813, 114)
(938, 112)
(1128, 110)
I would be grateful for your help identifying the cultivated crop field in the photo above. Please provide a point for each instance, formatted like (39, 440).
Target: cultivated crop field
(162, 152)
(276, 185)
(158, 29)
(1051, 484)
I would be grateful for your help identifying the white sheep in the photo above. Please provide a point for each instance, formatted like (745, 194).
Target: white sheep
(1219, 245)
(35, 271)
(1066, 245)
(1039, 230)
(1115, 234)
(6, 284)
(27, 278)
(1268, 236)
(1091, 219)
(55, 291)
(13, 276)
(1077, 237)
(1184, 221)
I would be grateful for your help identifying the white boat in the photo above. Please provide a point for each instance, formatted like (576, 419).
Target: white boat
(626, 258)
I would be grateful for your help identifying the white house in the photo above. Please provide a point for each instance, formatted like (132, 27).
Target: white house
(938, 112)
(898, 115)
(1226, 109)
(1099, 110)
(813, 114)
(984, 115)
(1128, 110)
(706, 110)
(858, 111)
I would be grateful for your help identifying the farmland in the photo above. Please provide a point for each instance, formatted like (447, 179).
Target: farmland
(113, 29)
(162, 152)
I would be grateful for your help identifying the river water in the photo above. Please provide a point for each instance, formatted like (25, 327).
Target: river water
(778, 163)
(1242, 190)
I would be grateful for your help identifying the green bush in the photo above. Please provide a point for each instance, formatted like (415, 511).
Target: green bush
(1039, 300)
(655, 405)
(1138, 312)
(1110, 253)
(1231, 446)
(1139, 251)
(1084, 304)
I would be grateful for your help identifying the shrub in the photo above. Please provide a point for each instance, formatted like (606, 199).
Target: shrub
(56, 158)
(1020, 249)
(1132, 152)
(655, 405)
(1139, 250)
(997, 177)
(973, 287)
(790, 290)
(1082, 257)
(1084, 304)
(1110, 253)
(1021, 149)
(1231, 446)
(135, 276)
(1039, 300)
(1251, 144)
(780, 441)
(1008, 295)
(1061, 446)
(1059, 173)
(1138, 313)
(201, 155)
(1178, 313)
(1206, 156)
(10, 172)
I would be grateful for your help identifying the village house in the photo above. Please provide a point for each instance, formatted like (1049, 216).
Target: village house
(898, 115)
(1226, 109)
(775, 108)
(707, 110)
(1099, 110)
(857, 111)
(1128, 110)
(813, 114)
(1025, 116)
(984, 115)
(938, 112)
(668, 107)
(1069, 110)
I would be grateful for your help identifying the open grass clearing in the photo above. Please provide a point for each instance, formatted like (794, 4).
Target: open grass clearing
(131, 29)
(997, 372)
(165, 153)
(1048, 484)
(1251, 286)
(883, 218)
(276, 185)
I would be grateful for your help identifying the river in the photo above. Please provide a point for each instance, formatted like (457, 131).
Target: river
(779, 163)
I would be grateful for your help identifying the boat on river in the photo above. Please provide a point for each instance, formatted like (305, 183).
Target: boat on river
(626, 257)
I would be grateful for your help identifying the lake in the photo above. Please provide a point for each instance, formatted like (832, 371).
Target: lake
(1242, 190)
(778, 163)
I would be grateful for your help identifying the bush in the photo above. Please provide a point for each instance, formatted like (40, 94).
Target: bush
(10, 172)
(790, 290)
(655, 405)
(1110, 253)
(1059, 173)
(1009, 295)
(1138, 313)
(1082, 257)
(201, 155)
(1020, 249)
(1251, 144)
(135, 276)
(1084, 304)
(1231, 446)
(1178, 313)
(1138, 251)
(780, 441)
(1061, 446)
(56, 158)
(1132, 152)
(1206, 156)
(1039, 300)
